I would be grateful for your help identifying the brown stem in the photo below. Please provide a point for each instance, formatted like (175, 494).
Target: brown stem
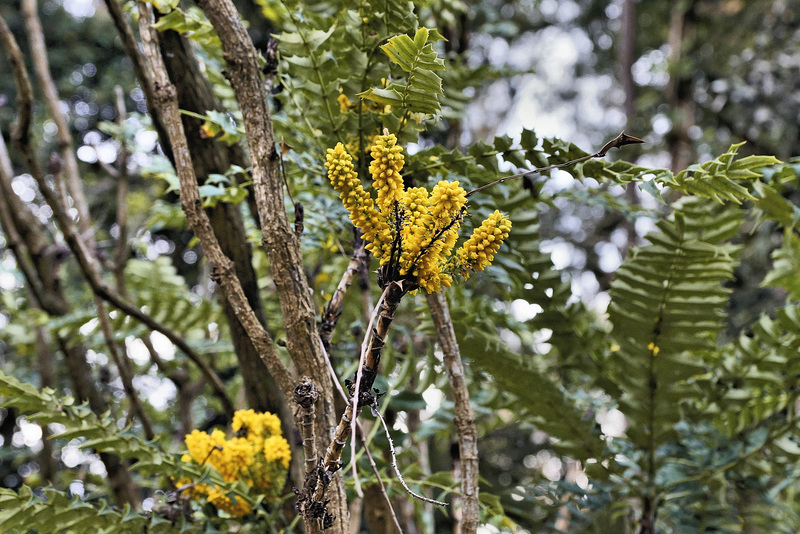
(368, 372)
(41, 67)
(279, 239)
(121, 251)
(464, 419)
(140, 69)
(124, 369)
(44, 365)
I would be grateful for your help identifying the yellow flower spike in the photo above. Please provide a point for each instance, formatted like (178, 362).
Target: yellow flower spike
(387, 162)
(447, 199)
(478, 251)
(428, 223)
(358, 202)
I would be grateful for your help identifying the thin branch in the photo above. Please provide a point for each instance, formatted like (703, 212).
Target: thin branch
(41, 67)
(24, 102)
(222, 267)
(9, 221)
(618, 142)
(377, 414)
(121, 252)
(365, 446)
(464, 419)
(357, 389)
(123, 368)
(140, 69)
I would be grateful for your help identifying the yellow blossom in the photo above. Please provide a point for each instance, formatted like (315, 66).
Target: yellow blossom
(427, 223)
(257, 455)
(478, 251)
(387, 162)
(344, 103)
(357, 201)
(276, 449)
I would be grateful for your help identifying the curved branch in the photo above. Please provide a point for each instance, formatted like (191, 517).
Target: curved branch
(41, 66)
(278, 237)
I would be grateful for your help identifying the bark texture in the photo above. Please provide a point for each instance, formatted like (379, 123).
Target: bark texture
(464, 419)
(279, 239)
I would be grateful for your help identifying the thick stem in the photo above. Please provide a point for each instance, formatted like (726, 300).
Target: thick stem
(222, 267)
(279, 239)
(464, 419)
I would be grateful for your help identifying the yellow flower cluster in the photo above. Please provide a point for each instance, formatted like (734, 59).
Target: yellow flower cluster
(258, 455)
(428, 222)
(358, 202)
(479, 250)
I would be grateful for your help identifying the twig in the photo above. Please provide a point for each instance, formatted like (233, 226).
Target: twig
(120, 254)
(24, 103)
(618, 142)
(464, 419)
(377, 414)
(124, 369)
(10, 213)
(334, 308)
(41, 67)
(222, 267)
(365, 446)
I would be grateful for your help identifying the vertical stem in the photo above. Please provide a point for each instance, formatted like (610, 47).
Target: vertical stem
(464, 419)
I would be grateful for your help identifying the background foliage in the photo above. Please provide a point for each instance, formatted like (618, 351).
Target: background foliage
(632, 349)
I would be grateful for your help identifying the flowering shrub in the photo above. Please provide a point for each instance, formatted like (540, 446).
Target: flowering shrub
(413, 232)
(257, 455)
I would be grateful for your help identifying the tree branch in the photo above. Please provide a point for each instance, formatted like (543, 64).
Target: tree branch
(140, 69)
(41, 67)
(464, 419)
(121, 251)
(278, 237)
(123, 368)
(222, 267)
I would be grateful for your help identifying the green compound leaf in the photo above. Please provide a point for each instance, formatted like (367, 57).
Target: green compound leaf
(719, 179)
(421, 92)
(666, 308)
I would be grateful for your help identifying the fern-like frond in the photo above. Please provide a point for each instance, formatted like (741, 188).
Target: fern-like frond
(22, 512)
(721, 178)
(102, 434)
(420, 93)
(666, 310)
